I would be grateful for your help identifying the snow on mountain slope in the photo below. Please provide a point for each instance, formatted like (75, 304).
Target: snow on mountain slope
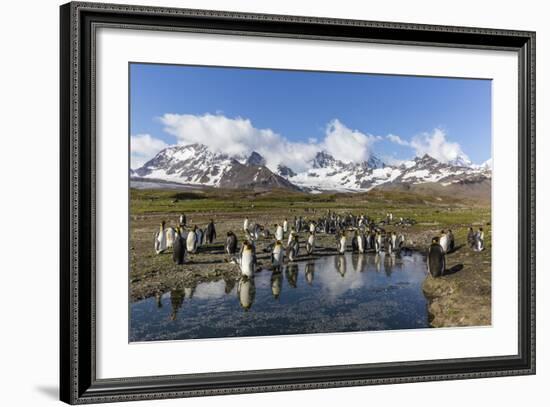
(192, 164)
(195, 164)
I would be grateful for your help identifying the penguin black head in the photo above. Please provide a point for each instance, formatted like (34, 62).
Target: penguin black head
(435, 240)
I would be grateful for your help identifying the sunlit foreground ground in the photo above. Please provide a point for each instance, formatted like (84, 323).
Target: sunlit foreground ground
(461, 298)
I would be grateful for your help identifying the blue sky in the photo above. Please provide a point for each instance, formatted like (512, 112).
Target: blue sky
(236, 110)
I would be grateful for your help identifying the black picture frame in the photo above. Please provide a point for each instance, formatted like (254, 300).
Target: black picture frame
(78, 382)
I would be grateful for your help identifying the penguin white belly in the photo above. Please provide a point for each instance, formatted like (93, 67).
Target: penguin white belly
(285, 226)
(342, 244)
(312, 228)
(444, 243)
(290, 238)
(245, 225)
(278, 256)
(191, 241)
(279, 233)
(170, 237)
(160, 243)
(360, 244)
(310, 244)
(247, 268)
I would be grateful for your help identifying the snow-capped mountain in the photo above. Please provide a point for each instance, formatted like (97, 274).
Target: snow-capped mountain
(196, 164)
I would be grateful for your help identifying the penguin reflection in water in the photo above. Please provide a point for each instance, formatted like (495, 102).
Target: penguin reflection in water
(310, 272)
(276, 283)
(358, 262)
(246, 291)
(340, 265)
(176, 301)
(436, 258)
(291, 273)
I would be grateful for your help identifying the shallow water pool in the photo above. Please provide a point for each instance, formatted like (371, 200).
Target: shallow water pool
(353, 292)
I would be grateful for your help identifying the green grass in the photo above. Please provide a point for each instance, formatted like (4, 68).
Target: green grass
(423, 208)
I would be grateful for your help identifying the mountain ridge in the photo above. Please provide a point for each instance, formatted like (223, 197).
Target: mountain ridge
(196, 164)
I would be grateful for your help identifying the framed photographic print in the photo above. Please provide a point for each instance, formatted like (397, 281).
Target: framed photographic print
(256, 203)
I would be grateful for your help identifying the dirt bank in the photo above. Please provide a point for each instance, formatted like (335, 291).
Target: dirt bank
(462, 296)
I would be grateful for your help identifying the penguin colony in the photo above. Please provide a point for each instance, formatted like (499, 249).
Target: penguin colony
(365, 235)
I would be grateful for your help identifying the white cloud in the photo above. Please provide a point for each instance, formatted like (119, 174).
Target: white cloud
(143, 147)
(397, 140)
(436, 145)
(346, 144)
(238, 137)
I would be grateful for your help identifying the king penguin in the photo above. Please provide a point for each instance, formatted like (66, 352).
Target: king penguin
(342, 243)
(247, 260)
(179, 248)
(293, 248)
(436, 259)
(160, 240)
(279, 232)
(231, 243)
(310, 245)
(192, 240)
(278, 255)
(210, 232)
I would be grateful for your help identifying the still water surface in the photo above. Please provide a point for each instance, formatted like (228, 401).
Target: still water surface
(354, 292)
